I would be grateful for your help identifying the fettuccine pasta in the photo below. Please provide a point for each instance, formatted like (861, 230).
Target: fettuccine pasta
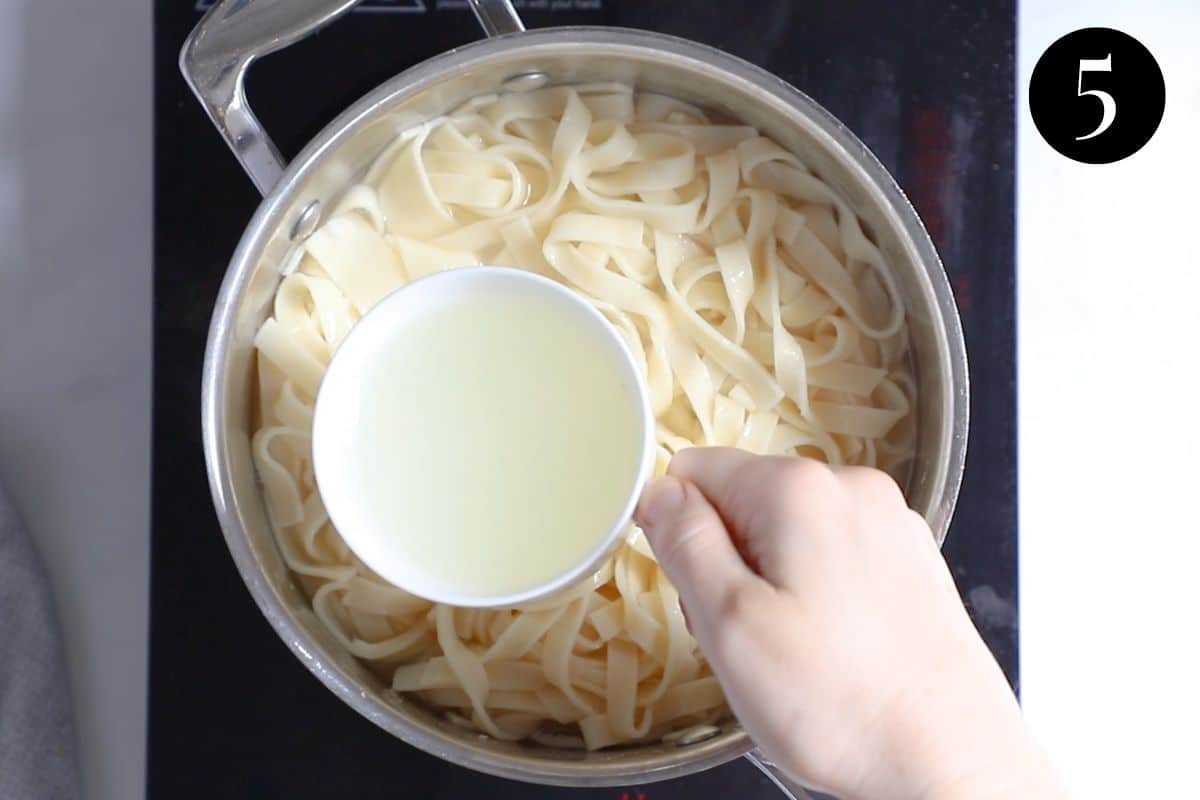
(760, 313)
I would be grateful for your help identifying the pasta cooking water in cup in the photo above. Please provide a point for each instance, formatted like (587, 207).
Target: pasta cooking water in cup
(759, 312)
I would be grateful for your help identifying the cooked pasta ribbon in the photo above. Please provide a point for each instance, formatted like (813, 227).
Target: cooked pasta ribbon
(760, 312)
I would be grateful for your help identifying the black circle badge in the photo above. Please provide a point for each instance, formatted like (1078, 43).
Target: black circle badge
(1097, 95)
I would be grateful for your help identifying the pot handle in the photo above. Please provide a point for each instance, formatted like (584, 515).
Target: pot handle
(790, 788)
(233, 33)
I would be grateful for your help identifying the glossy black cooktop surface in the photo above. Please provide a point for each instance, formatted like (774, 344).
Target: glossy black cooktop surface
(927, 85)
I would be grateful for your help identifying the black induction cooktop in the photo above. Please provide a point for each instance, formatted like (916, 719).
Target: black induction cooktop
(928, 85)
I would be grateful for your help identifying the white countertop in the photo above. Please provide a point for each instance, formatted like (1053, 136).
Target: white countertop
(1108, 307)
(75, 303)
(1109, 301)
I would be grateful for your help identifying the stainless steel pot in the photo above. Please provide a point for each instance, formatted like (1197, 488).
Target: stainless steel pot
(214, 61)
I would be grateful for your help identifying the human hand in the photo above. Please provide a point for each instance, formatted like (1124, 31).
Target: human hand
(827, 613)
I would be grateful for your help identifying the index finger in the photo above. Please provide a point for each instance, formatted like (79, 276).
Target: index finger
(735, 481)
(753, 495)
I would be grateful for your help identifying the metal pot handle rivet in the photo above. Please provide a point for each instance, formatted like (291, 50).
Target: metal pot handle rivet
(306, 222)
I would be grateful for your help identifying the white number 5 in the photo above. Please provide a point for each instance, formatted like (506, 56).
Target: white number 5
(1106, 99)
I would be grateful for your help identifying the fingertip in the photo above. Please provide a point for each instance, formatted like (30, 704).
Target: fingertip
(660, 500)
(678, 464)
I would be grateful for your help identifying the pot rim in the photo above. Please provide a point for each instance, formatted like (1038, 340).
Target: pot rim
(270, 216)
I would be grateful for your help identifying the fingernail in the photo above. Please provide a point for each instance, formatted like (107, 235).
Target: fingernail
(660, 499)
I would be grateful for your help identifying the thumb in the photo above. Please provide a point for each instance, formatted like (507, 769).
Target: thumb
(693, 547)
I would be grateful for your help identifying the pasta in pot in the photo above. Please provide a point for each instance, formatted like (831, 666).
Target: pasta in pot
(760, 313)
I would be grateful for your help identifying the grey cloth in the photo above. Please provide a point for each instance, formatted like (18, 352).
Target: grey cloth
(37, 740)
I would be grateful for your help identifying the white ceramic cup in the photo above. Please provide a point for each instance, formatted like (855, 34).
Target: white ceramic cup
(335, 405)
